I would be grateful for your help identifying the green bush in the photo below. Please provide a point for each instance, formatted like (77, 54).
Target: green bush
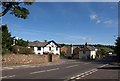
(25, 51)
(5, 51)
(22, 50)
(102, 53)
(62, 53)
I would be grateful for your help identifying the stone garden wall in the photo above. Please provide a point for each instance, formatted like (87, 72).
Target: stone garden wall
(18, 59)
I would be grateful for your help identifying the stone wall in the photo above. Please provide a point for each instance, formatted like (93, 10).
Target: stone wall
(17, 59)
(55, 58)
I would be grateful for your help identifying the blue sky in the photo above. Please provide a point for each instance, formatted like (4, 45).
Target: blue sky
(67, 22)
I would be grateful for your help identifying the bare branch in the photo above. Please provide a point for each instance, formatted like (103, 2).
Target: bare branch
(6, 10)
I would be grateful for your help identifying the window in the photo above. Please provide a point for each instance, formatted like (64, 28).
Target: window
(56, 48)
(50, 48)
(39, 48)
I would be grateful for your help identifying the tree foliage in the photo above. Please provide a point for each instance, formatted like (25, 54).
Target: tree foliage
(101, 52)
(117, 46)
(7, 40)
(16, 9)
(62, 53)
(21, 50)
(21, 42)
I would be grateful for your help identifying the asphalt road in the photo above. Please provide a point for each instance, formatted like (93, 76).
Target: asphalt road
(70, 70)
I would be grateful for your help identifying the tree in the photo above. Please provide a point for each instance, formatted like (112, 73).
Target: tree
(117, 47)
(15, 9)
(7, 40)
(62, 53)
(21, 42)
(101, 52)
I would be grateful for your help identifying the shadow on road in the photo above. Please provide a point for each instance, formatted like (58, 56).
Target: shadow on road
(110, 68)
(112, 60)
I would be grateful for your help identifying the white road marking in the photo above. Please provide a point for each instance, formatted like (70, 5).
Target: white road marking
(8, 76)
(90, 72)
(72, 77)
(94, 70)
(103, 65)
(17, 67)
(30, 66)
(37, 72)
(13, 67)
(71, 66)
(5, 68)
(21, 66)
(84, 74)
(44, 71)
(52, 69)
(76, 62)
(78, 75)
(25, 66)
(78, 78)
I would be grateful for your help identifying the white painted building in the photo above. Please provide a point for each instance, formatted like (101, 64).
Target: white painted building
(45, 47)
(87, 52)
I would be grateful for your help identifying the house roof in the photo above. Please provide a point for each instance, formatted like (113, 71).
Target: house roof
(41, 44)
(88, 48)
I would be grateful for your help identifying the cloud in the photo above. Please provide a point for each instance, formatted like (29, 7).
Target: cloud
(108, 22)
(86, 39)
(93, 16)
(98, 20)
(112, 7)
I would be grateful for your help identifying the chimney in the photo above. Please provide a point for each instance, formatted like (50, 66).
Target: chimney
(86, 44)
(45, 40)
(71, 49)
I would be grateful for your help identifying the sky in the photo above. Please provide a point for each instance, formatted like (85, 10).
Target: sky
(67, 22)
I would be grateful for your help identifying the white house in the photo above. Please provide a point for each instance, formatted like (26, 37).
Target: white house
(45, 47)
(87, 52)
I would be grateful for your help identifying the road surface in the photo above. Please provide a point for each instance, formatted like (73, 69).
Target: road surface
(68, 71)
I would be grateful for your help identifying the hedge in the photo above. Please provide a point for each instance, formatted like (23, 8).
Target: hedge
(22, 50)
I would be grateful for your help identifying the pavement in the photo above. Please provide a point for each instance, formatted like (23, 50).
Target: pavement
(62, 61)
(67, 70)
